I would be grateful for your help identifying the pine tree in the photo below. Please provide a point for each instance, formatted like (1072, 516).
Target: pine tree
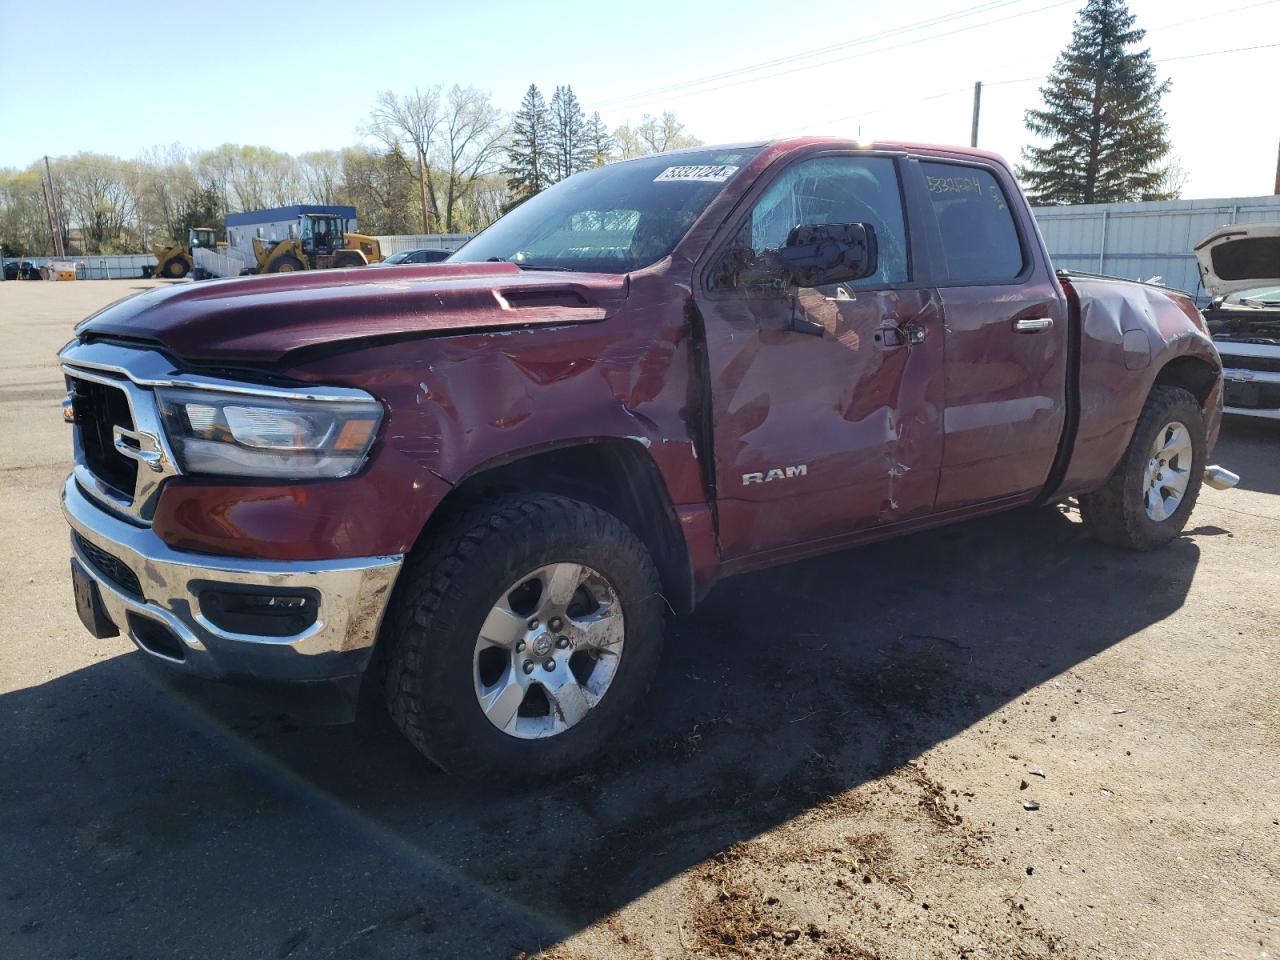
(1102, 117)
(600, 144)
(531, 162)
(569, 130)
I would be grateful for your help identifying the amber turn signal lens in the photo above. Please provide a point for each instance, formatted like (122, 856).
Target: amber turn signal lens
(354, 434)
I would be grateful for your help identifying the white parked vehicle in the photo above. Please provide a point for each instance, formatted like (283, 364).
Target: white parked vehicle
(1240, 267)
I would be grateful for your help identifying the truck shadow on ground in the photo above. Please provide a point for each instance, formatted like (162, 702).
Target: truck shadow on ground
(149, 816)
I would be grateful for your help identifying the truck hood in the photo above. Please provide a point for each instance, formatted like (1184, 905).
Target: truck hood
(258, 320)
(1241, 257)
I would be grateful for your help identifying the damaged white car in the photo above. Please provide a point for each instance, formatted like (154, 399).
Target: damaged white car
(1240, 267)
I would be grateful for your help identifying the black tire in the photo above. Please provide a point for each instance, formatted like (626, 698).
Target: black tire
(448, 589)
(344, 261)
(287, 263)
(1116, 513)
(175, 268)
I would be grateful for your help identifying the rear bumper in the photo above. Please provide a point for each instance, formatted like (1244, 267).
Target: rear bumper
(148, 587)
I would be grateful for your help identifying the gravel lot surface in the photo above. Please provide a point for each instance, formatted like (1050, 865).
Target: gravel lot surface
(837, 761)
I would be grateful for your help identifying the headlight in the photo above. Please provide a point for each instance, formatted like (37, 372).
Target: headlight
(260, 436)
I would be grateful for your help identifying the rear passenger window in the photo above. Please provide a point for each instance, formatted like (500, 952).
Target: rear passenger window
(979, 240)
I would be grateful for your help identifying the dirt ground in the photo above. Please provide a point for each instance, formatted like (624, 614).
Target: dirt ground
(996, 740)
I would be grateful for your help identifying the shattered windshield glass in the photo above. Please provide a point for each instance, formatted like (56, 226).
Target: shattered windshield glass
(613, 219)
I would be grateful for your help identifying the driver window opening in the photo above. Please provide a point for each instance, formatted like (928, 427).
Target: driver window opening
(836, 190)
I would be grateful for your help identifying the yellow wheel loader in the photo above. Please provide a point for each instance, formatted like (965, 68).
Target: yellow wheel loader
(174, 261)
(321, 243)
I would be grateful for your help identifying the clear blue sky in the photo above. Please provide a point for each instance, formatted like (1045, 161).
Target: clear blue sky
(123, 76)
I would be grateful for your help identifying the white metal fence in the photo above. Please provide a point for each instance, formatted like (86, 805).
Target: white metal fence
(417, 241)
(1145, 240)
(126, 266)
(227, 263)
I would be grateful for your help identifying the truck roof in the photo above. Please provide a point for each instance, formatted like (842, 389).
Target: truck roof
(786, 144)
(909, 146)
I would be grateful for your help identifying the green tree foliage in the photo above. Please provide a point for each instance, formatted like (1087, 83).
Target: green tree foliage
(530, 166)
(200, 208)
(1102, 119)
(24, 223)
(381, 187)
(600, 142)
(569, 133)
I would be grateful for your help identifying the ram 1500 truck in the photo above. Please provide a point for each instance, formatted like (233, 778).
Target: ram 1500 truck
(499, 473)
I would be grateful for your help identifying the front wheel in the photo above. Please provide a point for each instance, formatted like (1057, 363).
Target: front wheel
(520, 639)
(1147, 500)
(175, 268)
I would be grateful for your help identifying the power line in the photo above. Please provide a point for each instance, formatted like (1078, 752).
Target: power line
(814, 52)
(1188, 56)
(994, 83)
(1217, 15)
(911, 28)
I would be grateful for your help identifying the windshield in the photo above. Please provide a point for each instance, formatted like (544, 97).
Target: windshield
(1267, 296)
(613, 219)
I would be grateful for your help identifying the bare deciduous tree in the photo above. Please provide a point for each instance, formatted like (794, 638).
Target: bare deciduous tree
(407, 127)
(321, 175)
(653, 135)
(472, 136)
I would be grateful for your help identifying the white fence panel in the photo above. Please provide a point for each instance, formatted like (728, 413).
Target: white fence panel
(126, 266)
(419, 241)
(227, 264)
(1145, 240)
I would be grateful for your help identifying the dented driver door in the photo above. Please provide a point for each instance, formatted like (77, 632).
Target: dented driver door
(826, 402)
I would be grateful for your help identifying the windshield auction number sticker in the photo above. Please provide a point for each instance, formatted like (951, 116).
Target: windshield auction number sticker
(704, 173)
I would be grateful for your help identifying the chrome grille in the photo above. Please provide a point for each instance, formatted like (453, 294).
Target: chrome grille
(98, 409)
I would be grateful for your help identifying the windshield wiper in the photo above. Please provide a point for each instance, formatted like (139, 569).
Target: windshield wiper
(528, 266)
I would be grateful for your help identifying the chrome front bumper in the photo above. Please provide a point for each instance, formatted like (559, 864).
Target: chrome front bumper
(353, 594)
(1242, 368)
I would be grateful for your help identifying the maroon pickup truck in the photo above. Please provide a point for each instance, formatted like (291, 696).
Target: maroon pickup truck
(494, 477)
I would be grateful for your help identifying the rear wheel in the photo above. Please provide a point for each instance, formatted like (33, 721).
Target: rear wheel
(521, 638)
(349, 259)
(1147, 500)
(287, 263)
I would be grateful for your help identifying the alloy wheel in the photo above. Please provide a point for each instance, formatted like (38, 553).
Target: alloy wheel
(548, 650)
(1168, 471)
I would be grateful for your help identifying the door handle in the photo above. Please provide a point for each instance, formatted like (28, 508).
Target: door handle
(1033, 325)
(893, 333)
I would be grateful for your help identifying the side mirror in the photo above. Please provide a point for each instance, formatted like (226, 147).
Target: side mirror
(821, 253)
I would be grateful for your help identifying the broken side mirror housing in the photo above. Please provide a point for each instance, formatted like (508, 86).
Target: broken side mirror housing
(821, 253)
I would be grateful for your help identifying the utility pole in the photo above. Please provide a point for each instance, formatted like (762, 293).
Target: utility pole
(977, 108)
(1278, 171)
(55, 214)
(48, 209)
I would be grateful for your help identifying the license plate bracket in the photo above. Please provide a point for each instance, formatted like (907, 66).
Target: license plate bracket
(93, 614)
